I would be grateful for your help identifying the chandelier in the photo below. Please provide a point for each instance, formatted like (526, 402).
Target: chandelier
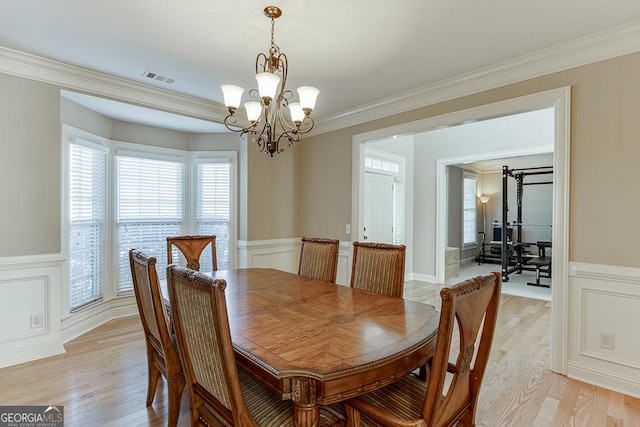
(268, 125)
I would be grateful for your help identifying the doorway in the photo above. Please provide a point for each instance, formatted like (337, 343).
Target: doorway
(383, 196)
(378, 207)
(429, 240)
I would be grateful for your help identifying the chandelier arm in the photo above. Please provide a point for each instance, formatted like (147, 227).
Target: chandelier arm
(255, 94)
(307, 121)
(283, 102)
(261, 66)
(283, 64)
(292, 137)
(257, 138)
(230, 122)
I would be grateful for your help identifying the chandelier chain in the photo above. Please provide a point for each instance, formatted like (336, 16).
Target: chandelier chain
(274, 50)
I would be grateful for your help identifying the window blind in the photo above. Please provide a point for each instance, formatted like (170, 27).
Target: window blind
(149, 208)
(397, 213)
(469, 207)
(213, 209)
(87, 233)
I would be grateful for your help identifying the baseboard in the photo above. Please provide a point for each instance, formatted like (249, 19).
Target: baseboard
(431, 278)
(90, 318)
(28, 353)
(629, 385)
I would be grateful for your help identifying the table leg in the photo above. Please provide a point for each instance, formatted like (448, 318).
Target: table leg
(307, 410)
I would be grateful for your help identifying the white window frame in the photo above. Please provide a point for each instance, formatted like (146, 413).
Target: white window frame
(230, 157)
(69, 135)
(114, 147)
(470, 244)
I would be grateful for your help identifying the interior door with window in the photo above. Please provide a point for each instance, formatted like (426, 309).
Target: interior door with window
(378, 208)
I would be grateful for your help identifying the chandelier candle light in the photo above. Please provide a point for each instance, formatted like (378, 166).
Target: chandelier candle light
(268, 125)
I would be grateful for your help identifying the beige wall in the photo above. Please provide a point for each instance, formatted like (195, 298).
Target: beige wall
(307, 189)
(30, 161)
(29, 167)
(604, 153)
(271, 195)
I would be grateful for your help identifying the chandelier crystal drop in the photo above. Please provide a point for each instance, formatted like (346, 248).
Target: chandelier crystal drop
(268, 125)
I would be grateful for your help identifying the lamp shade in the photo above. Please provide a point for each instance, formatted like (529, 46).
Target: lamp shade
(254, 109)
(267, 85)
(232, 95)
(297, 115)
(484, 199)
(308, 96)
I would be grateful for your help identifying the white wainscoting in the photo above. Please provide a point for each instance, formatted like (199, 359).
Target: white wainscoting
(345, 255)
(30, 308)
(605, 299)
(284, 254)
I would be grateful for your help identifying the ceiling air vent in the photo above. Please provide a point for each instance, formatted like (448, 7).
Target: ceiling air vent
(159, 77)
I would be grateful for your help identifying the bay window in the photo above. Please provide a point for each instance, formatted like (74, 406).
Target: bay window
(122, 196)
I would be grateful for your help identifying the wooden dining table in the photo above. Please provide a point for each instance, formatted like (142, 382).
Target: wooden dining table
(318, 343)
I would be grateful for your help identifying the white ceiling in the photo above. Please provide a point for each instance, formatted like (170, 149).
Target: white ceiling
(356, 52)
(519, 162)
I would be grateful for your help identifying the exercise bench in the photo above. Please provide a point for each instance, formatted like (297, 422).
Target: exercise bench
(542, 263)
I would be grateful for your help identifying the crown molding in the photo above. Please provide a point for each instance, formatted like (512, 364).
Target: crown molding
(586, 50)
(116, 88)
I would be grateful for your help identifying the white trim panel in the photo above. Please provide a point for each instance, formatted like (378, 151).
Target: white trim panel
(345, 262)
(281, 254)
(30, 286)
(604, 299)
(284, 254)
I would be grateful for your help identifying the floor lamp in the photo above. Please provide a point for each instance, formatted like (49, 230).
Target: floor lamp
(481, 255)
(484, 200)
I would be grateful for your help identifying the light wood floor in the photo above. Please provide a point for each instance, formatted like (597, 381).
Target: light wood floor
(102, 379)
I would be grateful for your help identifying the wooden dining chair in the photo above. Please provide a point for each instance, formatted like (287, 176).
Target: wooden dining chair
(192, 247)
(319, 258)
(471, 308)
(162, 355)
(220, 394)
(378, 267)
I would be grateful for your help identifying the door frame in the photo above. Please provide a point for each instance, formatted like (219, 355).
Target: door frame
(560, 100)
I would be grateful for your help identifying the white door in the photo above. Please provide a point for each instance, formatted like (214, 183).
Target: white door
(378, 208)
